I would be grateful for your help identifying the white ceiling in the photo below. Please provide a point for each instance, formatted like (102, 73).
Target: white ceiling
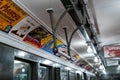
(107, 16)
(108, 20)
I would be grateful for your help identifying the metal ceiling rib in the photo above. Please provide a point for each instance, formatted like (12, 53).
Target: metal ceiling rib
(37, 9)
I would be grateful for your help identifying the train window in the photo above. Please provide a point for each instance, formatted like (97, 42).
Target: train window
(72, 76)
(44, 73)
(82, 76)
(64, 75)
(78, 76)
(22, 70)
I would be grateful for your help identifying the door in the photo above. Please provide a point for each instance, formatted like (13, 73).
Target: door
(72, 76)
(64, 74)
(44, 73)
(22, 70)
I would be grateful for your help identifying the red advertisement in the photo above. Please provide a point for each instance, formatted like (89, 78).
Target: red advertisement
(112, 51)
(36, 35)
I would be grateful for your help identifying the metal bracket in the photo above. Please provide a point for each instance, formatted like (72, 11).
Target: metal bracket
(50, 11)
(70, 39)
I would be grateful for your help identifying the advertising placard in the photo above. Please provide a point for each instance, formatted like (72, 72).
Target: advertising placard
(10, 15)
(22, 28)
(112, 51)
(36, 35)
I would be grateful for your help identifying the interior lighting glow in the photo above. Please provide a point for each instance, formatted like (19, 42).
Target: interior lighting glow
(79, 72)
(56, 65)
(95, 59)
(17, 61)
(118, 67)
(104, 72)
(67, 68)
(21, 54)
(101, 67)
(23, 70)
(89, 50)
(47, 62)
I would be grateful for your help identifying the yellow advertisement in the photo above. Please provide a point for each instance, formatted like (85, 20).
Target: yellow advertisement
(49, 38)
(10, 14)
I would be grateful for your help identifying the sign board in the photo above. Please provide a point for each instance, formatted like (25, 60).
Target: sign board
(111, 51)
(111, 62)
(10, 15)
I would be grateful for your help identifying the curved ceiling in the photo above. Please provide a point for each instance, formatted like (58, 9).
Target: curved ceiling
(108, 17)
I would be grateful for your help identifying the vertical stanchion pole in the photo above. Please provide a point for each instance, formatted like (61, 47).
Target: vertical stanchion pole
(50, 11)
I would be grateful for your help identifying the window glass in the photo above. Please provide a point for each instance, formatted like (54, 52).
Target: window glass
(22, 70)
(44, 73)
(72, 76)
(64, 75)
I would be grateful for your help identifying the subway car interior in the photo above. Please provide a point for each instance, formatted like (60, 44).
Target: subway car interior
(59, 40)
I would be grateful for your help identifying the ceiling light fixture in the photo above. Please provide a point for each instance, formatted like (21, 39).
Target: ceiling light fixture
(95, 59)
(56, 65)
(67, 68)
(79, 72)
(47, 62)
(21, 54)
(89, 50)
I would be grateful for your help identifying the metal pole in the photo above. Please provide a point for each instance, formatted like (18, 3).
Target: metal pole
(50, 11)
(66, 36)
(69, 41)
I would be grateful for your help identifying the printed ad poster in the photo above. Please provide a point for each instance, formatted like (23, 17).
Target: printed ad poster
(10, 15)
(74, 56)
(36, 35)
(112, 51)
(48, 44)
(21, 29)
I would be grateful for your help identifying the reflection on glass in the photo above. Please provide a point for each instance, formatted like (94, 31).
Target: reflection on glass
(82, 75)
(21, 70)
(72, 76)
(44, 73)
(64, 75)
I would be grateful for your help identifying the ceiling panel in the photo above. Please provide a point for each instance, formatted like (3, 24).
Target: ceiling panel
(107, 14)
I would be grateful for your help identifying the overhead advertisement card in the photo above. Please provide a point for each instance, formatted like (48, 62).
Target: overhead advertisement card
(22, 28)
(10, 15)
(48, 44)
(112, 51)
(36, 35)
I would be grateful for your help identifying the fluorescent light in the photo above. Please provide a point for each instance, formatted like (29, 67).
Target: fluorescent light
(89, 50)
(95, 59)
(56, 65)
(17, 61)
(102, 67)
(79, 72)
(21, 54)
(67, 68)
(47, 62)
